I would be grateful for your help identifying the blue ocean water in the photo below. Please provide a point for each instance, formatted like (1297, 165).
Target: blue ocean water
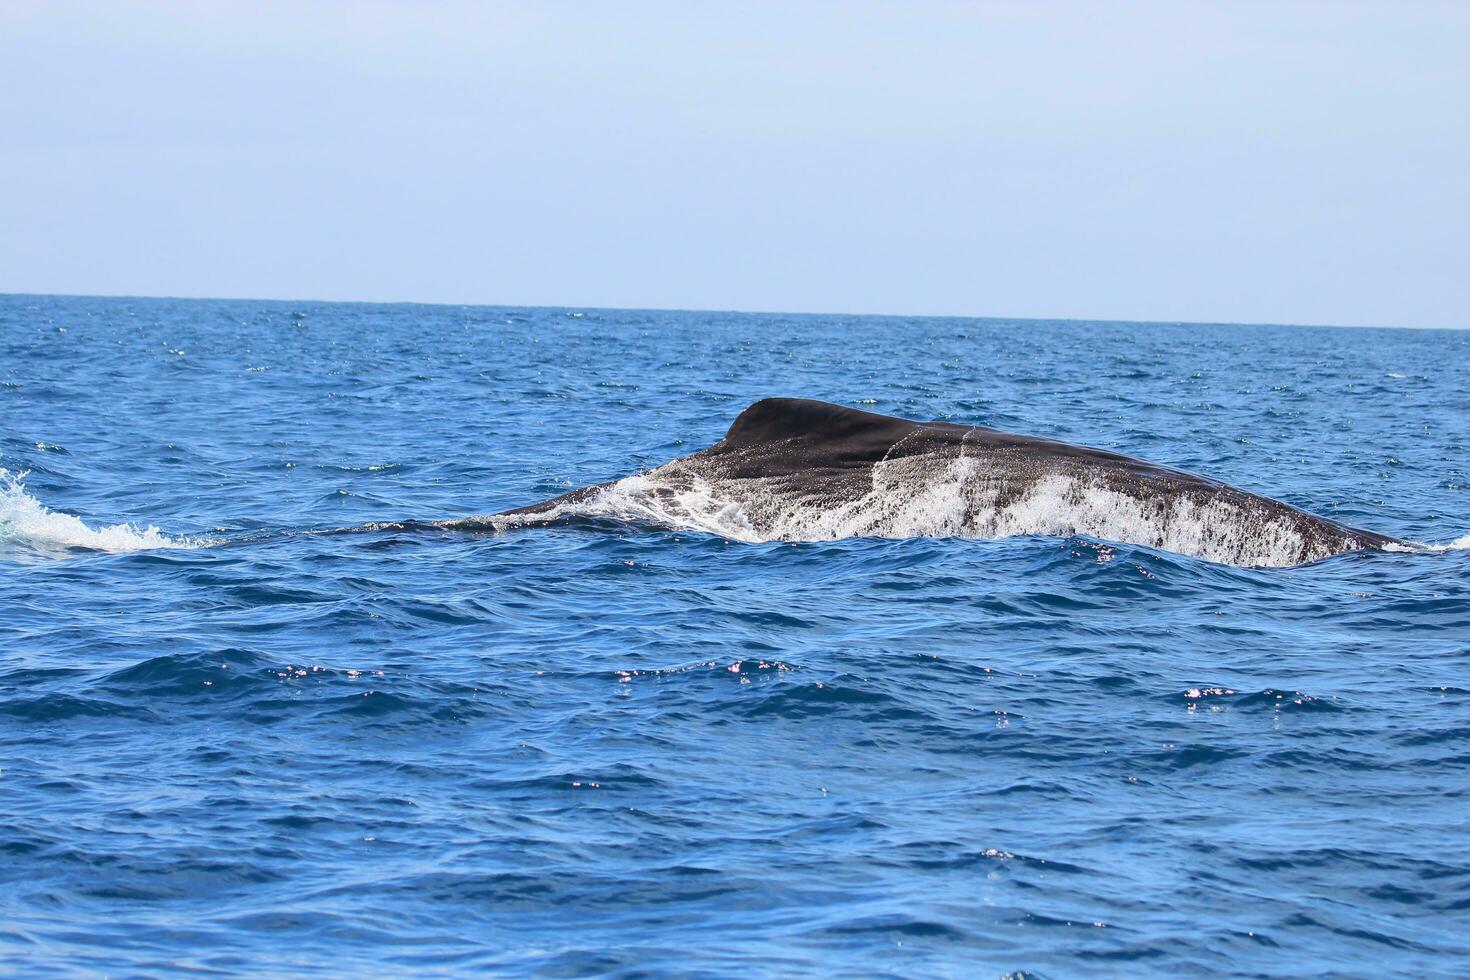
(231, 743)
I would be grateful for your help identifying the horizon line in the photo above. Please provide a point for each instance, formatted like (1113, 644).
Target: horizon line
(676, 309)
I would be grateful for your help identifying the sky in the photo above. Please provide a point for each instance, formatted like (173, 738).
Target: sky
(1278, 162)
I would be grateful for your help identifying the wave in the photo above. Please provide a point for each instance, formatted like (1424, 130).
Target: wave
(26, 522)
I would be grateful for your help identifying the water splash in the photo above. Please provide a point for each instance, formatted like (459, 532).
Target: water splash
(1430, 548)
(912, 499)
(27, 523)
(643, 497)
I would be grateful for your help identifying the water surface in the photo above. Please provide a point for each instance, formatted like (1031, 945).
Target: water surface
(230, 743)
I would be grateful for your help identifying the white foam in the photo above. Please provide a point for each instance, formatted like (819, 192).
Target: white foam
(26, 521)
(643, 497)
(694, 507)
(1424, 547)
(909, 498)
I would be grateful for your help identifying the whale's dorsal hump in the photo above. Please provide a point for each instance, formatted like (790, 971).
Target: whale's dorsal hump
(775, 420)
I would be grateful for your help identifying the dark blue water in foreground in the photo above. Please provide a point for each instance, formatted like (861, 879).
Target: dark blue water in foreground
(597, 749)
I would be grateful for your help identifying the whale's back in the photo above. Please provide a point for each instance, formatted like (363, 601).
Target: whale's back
(799, 469)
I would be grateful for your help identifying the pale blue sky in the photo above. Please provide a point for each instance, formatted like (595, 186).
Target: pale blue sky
(1277, 162)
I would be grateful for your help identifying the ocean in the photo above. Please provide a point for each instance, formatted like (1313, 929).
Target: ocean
(234, 740)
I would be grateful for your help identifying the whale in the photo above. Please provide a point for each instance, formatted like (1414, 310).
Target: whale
(793, 469)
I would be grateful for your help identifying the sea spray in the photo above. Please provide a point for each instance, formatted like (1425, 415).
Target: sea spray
(26, 522)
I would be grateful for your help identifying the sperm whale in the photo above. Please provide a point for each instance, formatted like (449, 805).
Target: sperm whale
(798, 469)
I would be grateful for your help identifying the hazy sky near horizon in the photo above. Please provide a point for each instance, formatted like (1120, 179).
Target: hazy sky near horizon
(1286, 162)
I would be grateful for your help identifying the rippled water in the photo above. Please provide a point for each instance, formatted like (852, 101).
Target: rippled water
(231, 743)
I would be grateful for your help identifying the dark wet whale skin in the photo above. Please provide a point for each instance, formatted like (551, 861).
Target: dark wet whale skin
(820, 455)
